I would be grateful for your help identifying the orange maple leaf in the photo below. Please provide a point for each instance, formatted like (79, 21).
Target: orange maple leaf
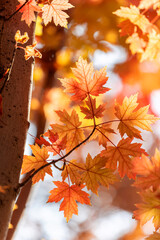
(92, 173)
(71, 129)
(31, 51)
(129, 118)
(149, 171)
(28, 10)
(33, 163)
(91, 110)
(84, 84)
(54, 9)
(96, 173)
(150, 208)
(123, 154)
(69, 194)
(73, 171)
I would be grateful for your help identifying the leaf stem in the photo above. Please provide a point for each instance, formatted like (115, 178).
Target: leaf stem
(106, 137)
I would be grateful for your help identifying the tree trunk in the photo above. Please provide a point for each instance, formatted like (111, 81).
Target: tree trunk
(16, 98)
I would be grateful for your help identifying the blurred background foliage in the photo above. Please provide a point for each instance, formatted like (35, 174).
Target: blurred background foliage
(92, 33)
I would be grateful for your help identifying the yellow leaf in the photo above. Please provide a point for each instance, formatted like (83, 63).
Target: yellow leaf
(73, 171)
(31, 51)
(21, 38)
(96, 174)
(34, 163)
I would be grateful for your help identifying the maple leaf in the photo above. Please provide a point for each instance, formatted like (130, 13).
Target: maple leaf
(31, 51)
(123, 154)
(21, 38)
(35, 162)
(28, 10)
(150, 208)
(84, 84)
(55, 10)
(149, 170)
(70, 130)
(137, 44)
(69, 194)
(102, 132)
(133, 14)
(56, 145)
(95, 173)
(154, 236)
(91, 111)
(146, 4)
(129, 118)
(152, 51)
(42, 141)
(73, 171)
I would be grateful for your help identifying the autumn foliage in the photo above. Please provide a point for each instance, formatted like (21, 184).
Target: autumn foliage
(120, 136)
(71, 133)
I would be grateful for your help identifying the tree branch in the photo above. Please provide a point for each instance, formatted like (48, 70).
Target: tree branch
(55, 161)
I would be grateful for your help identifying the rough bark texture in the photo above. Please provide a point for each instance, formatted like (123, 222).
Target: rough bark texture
(16, 98)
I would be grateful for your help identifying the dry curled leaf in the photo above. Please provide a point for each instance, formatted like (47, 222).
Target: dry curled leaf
(31, 51)
(21, 38)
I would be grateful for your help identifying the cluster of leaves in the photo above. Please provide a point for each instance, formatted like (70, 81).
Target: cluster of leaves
(124, 158)
(30, 50)
(62, 139)
(148, 182)
(49, 9)
(139, 23)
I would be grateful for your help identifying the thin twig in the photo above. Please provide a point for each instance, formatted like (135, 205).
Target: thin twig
(55, 161)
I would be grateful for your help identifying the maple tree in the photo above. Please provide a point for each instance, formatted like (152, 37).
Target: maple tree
(85, 120)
